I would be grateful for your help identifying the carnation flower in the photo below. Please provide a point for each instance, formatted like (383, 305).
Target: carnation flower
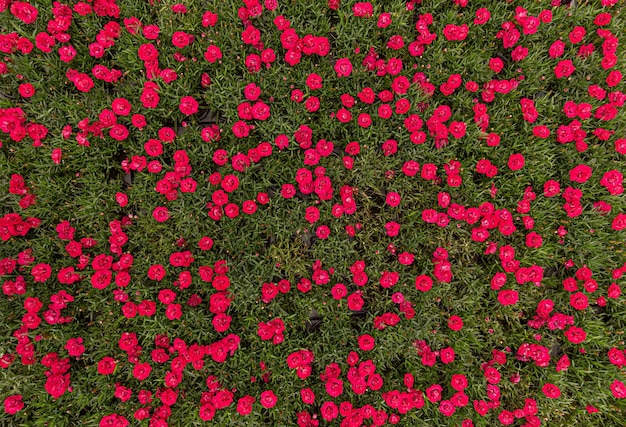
(268, 399)
(343, 67)
(13, 404)
(551, 391)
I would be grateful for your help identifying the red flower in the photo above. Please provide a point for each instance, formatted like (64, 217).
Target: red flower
(364, 120)
(113, 420)
(577, 34)
(173, 311)
(455, 323)
(564, 68)
(75, 347)
(334, 387)
(395, 42)
(384, 20)
(23, 11)
(508, 297)
(619, 222)
(149, 98)
(602, 19)
(433, 393)
(423, 283)
(106, 366)
(329, 411)
(482, 16)
(366, 342)
(343, 67)
(459, 382)
(119, 132)
(455, 32)
(41, 272)
(253, 63)
(307, 395)
(314, 81)
(393, 199)
(156, 272)
(244, 405)
(457, 129)
(148, 52)
(551, 391)
(241, 129)
(83, 82)
(260, 111)
(213, 54)
(575, 335)
(169, 396)
(181, 39)
(534, 240)
(26, 90)
(13, 404)
(188, 105)
(446, 408)
(121, 106)
(179, 8)
(209, 19)
(579, 301)
(496, 64)
(288, 191)
(363, 10)
(160, 214)
(580, 173)
(268, 399)
(516, 162)
(618, 389)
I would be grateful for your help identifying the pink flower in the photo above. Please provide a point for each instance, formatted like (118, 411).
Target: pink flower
(393, 199)
(446, 408)
(114, 420)
(423, 283)
(619, 222)
(507, 297)
(496, 64)
(24, 11)
(516, 162)
(580, 173)
(577, 34)
(455, 323)
(26, 90)
(366, 342)
(384, 20)
(618, 389)
(314, 81)
(363, 10)
(575, 335)
(268, 399)
(161, 214)
(188, 105)
(322, 232)
(482, 16)
(343, 67)
(364, 120)
(455, 32)
(241, 129)
(13, 404)
(551, 391)
(564, 68)
(329, 411)
(213, 54)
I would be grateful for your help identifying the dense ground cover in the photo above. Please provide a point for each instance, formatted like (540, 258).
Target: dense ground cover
(312, 213)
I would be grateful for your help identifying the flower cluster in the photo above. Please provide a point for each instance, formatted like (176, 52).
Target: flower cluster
(442, 184)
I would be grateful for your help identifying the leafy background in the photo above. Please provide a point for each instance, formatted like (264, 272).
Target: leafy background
(276, 242)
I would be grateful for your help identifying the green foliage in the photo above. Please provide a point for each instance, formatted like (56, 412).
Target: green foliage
(276, 242)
